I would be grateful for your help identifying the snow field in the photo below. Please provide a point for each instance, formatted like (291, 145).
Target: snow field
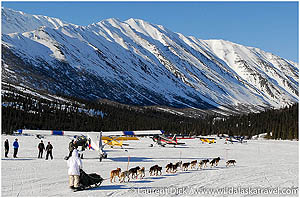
(260, 164)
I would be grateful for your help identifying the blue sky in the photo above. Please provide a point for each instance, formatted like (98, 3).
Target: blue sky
(270, 26)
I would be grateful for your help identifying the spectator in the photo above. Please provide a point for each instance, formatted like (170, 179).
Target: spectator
(6, 147)
(49, 149)
(16, 147)
(41, 148)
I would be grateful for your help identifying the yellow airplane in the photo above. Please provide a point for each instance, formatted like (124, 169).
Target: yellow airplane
(117, 141)
(94, 139)
(207, 140)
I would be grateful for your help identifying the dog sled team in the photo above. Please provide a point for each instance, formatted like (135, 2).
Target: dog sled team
(139, 172)
(133, 173)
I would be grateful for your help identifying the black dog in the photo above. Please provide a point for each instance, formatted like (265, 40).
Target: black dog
(158, 169)
(185, 166)
(153, 169)
(203, 163)
(133, 172)
(169, 167)
(175, 166)
(230, 162)
(215, 161)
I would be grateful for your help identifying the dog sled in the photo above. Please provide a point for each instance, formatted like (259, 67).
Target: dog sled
(87, 181)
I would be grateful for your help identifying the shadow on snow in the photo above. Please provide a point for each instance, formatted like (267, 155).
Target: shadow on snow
(132, 159)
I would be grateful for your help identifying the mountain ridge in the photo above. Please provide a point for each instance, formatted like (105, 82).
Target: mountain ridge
(127, 61)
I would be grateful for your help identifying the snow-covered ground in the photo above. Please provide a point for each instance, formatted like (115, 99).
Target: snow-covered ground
(263, 166)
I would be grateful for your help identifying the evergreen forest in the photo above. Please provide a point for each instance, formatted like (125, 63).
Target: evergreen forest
(25, 111)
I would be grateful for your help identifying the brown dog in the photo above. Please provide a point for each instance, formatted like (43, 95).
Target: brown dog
(114, 174)
(193, 164)
(230, 162)
(141, 172)
(123, 176)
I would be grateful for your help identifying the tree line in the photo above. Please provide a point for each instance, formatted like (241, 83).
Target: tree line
(24, 111)
(275, 123)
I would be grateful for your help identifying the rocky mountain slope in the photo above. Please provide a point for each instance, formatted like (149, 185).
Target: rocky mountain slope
(136, 62)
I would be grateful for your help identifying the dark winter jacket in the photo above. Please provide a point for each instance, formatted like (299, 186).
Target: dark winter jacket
(6, 145)
(49, 147)
(41, 146)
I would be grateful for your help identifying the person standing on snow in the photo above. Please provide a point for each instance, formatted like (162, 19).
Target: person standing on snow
(16, 147)
(71, 148)
(41, 148)
(74, 164)
(6, 147)
(49, 148)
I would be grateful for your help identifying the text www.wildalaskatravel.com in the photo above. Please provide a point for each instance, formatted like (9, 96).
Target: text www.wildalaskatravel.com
(216, 191)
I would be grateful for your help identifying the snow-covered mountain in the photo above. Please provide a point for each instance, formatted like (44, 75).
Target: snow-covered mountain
(17, 21)
(136, 62)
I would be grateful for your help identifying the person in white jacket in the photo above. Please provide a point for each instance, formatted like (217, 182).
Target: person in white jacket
(74, 165)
